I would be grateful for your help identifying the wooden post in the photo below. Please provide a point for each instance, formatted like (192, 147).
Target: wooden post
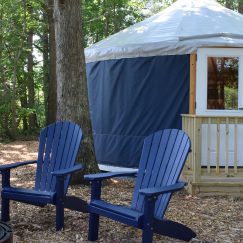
(191, 135)
(218, 146)
(235, 146)
(186, 128)
(227, 146)
(197, 149)
(192, 98)
(209, 146)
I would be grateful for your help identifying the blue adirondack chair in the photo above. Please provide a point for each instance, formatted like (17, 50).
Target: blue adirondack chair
(58, 147)
(163, 157)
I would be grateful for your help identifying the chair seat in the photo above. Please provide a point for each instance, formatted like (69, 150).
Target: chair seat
(121, 213)
(29, 196)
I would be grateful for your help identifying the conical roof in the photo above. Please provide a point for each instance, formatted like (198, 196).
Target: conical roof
(179, 29)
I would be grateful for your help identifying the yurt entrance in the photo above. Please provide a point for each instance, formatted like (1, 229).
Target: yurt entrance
(215, 122)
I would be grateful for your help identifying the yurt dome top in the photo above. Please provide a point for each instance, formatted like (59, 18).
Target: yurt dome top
(180, 29)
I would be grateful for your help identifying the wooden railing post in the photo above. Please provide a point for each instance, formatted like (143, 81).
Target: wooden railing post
(218, 145)
(236, 146)
(193, 68)
(227, 146)
(197, 149)
(209, 146)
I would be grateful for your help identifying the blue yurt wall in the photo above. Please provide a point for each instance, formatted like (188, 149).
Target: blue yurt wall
(133, 97)
(138, 78)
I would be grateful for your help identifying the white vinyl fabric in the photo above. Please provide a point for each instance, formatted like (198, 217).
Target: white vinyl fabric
(180, 29)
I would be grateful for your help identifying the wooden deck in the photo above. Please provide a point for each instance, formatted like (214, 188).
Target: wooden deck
(215, 166)
(215, 185)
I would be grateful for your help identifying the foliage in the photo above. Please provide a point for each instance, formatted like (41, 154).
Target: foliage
(21, 19)
(232, 4)
(104, 17)
(230, 98)
(17, 21)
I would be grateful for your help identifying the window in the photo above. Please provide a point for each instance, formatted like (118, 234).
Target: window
(219, 81)
(222, 87)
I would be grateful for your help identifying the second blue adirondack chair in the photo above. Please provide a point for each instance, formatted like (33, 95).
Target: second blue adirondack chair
(58, 147)
(163, 156)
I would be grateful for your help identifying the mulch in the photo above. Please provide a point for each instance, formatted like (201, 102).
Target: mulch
(214, 219)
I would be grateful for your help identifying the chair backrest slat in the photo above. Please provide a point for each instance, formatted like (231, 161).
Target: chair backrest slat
(163, 157)
(50, 159)
(78, 137)
(142, 169)
(50, 130)
(176, 170)
(56, 158)
(70, 154)
(58, 140)
(41, 152)
(162, 154)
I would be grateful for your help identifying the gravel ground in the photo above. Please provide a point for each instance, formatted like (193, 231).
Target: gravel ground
(214, 219)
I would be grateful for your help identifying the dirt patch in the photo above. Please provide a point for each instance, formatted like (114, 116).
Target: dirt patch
(214, 219)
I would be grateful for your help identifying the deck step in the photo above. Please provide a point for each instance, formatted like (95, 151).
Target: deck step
(216, 186)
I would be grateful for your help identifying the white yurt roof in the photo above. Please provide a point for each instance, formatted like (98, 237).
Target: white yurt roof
(179, 29)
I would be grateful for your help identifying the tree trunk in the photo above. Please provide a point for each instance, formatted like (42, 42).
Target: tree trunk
(49, 64)
(24, 104)
(107, 19)
(30, 82)
(1, 45)
(46, 63)
(72, 92)
(13, 127)
(52, 86)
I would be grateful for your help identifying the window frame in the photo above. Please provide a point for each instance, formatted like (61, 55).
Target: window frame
(202, 80)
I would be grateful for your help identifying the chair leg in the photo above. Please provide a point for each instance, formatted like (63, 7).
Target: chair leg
(93, 227)
(59, 216)
(93, 217)
(59, 203)
(147, 235)
(5, 201)
(5, 210)
(149, 205)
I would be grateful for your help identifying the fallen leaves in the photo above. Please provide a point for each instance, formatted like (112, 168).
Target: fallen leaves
(214, 219)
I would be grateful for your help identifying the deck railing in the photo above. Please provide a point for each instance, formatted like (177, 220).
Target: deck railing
(217, 145)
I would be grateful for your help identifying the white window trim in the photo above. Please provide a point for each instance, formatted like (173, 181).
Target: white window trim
(201, 83)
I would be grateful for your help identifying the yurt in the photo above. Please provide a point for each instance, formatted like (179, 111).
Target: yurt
(181, 68)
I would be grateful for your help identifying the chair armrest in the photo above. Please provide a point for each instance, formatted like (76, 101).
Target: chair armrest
(15, 165)
(182, 181)
(156, 191)
(102, 176)
(68, 171)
